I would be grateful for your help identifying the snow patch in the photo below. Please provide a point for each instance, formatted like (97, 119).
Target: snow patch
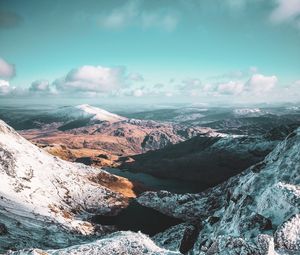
(99, 114)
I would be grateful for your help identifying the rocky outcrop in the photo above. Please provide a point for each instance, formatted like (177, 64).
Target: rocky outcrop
(46, 202)
(241, 215)
(3, 229)
(126, 243)
(287, 236)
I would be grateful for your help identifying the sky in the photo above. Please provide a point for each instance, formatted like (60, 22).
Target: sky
(158, 50)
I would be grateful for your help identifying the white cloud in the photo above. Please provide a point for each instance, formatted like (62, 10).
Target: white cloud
(135, 77)
(285, 11)
(167, 21)
(190, 87)
(190, 84)
(40, 86)
(132, 14)
(231, 88)
(235, 74)
(158, 86)
(138, 93)
(236, 4)
(4, 87)
(259, 83)
(6, 70)
(253, 69)
(121, 16)
(256, 85)
(169, 94)
(293, 90)
(92, 79)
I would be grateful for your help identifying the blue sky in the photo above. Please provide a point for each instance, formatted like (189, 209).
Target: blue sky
(170, 49)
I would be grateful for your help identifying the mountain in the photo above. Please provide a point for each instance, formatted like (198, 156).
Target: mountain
(47, 202)
(205, 160)
(255, 212)
(248, 111)
(88, 131)
(87, 111)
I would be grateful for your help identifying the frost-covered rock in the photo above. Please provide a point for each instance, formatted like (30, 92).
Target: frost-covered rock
(238, 215)
(43, 199)
(288, 234)
(178, 238)
(125, 243)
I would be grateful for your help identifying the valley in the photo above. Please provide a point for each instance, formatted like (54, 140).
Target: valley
(171, 174)
(139, 127)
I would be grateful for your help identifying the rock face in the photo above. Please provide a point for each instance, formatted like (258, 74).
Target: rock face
(126, 243)
(256, 212)
(3, 229)
(43, 199)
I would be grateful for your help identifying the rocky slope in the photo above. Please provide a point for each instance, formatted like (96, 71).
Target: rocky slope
(127, 243)
(43, 199)
(256, 212)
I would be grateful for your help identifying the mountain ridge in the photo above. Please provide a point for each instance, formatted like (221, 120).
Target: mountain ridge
(35, 185)
(255, 212)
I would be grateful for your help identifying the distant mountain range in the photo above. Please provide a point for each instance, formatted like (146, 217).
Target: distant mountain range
(88, 131)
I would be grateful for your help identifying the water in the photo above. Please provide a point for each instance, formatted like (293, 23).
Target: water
(138, 218)
(155, 183)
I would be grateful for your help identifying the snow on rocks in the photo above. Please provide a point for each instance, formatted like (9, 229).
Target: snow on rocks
(178, 238)
(288, 234)
(88, 111)
(99, 114)
(37, 190)
(126, 243)
(248, 111)
(236, 213)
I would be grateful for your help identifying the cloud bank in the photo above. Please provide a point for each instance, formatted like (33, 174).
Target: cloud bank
(115, 82)
(7, 71)
(87, 78)
(286, 11)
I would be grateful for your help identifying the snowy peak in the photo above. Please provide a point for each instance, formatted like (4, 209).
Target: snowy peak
(99, 114)
(87, 111)
(248, 111)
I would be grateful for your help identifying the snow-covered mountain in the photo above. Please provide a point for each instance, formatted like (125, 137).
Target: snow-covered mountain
(256, 212)
(118, 136)
(249, 111)
(42, 196)
(47, 203)
(99, 114)
(88, 111)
